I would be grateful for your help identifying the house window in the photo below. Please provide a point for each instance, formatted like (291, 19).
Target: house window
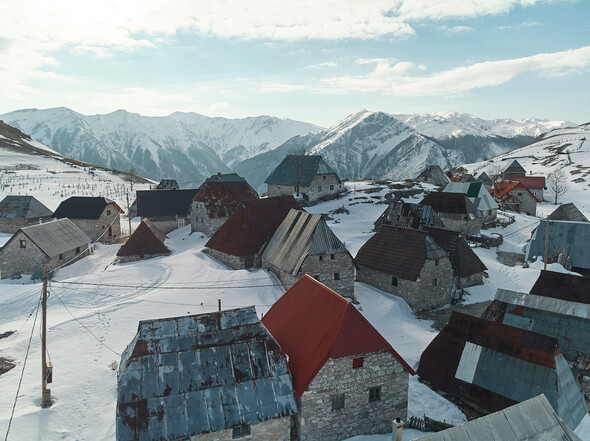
(336, 276)
(319, 188)
(77, 250)
(337, 401)
(331, 187)
(317, 277)
(436, 261)
(394, 281)
(324, 177)
(321, 257)
(434, 282)
(108, 212)
(519, 194)
(240, 431)
(357, 362)
(61, 257)
(375, 394)
(23, 243)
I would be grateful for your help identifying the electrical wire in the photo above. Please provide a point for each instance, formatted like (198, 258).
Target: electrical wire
(149, 287)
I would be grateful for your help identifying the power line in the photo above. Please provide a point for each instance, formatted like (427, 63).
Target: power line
(149, 287)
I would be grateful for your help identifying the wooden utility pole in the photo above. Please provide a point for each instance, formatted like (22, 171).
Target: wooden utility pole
(45, 393)
(129, 214)
(546, 242)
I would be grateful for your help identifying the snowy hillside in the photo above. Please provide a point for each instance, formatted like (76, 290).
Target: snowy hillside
(183, 146)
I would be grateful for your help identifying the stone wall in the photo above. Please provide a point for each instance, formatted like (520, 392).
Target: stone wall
(467, 227)
(277, 429)
(422, 294)
(317, 421)
(202, 222)
(321, 186)
(489, 215)
(136, 257)
(234, 262)
(94, 228)
(166, 224)
(471, 280)
(11, 225)
(526, 202)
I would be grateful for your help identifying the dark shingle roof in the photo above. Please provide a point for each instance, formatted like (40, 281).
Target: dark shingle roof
(221, 198)
(83, 207)
(299, 170)
(156, 203)
(185, 376)
(568, 212)
(145, 240)
(451, 203)
(225, 177)
(252, 224)
(23, 207)
(465, 262)
(562, 286)
(400, 252)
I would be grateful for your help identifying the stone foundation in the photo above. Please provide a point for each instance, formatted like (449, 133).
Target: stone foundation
(234, 262)
(136, 257)
(278, 429)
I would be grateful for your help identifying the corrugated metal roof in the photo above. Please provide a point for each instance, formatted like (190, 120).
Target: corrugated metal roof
(312, 323)
(184, 376)
(481, 198)
(299, 170)
(531, 420)
(145, 240)
(573, 237)
(300, 234)
(568, 212)
(56, 237)
(536, 182)
(558, 306)
(157, 203)
(562, 286)
(83, 207)
(23, 207)
(221, 198)
(451, 203)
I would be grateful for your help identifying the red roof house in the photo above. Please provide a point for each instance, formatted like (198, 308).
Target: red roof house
(326, 337)
(515, 196)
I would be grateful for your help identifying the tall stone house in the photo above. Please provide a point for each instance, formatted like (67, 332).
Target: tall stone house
(433, 174)
(21, 211)
(407, 263)
(306, 176)
(215, 201)
(240, 239)
(304, 244)
(478, 194)
(455, 211)
(168, 210)
(535, 184)
(35, 248)
(515, 196)
(209, 377)
(513, 169)
(97, 217)
(347, 379)
(146, 242)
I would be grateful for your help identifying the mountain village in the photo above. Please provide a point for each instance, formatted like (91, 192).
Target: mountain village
(452, 303)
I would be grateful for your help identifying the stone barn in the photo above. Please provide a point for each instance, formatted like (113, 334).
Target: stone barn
(304, 244)
(407, 263)
(348, 380)
(145, 242)
(238, 242)
(21, 211)
(455, 211)
(98, 217)
(490, 366)
(209, 377)
(43, 246)
(308, 176)
(168, 210)
(216, 201)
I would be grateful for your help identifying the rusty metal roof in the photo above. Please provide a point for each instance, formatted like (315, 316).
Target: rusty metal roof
(299, 170)
(251, 225)
(312, 324)
(221, 198)
(23, 207)
(492, 366)
(401, 252)
(146, 239)
(185, 376)
(300, 234)
(562, 286)
(55, 237)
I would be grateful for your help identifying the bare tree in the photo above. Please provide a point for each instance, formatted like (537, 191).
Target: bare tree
(558, 182)
(495, 173)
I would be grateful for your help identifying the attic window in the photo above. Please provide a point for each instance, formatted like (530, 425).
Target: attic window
(357, 362)
(240, 431)
(108, 212)
(337, 401)
(23, 243)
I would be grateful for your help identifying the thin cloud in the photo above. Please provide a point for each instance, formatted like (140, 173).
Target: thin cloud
(455, 30)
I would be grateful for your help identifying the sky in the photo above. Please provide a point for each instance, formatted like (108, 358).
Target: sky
(310, 60)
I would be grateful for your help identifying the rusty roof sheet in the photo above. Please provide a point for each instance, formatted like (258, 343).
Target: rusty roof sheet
(401, 252)
(185, 376)
(562, 286)
(450, 203)
(221, 198)
(146, 239)
(531, 181)
(251, 225)
(23, 207)
(312, 324)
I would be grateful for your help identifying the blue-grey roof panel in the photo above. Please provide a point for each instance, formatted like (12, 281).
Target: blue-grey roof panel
(299, 170)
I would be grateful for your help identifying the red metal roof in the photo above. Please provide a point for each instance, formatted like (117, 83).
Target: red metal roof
(531, 181)
(312, 324)
(505, 187)
(221, 198)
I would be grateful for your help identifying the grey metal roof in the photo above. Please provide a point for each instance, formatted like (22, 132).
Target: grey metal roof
(573, 237)
(476, 192)
(568, 212)
(300, 234)
(557, 306)
(56, 237)
(531, 420)
(299, 170)
(184, 376)
(23, 207)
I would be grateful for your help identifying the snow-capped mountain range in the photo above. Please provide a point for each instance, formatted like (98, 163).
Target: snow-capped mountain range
(189, 147)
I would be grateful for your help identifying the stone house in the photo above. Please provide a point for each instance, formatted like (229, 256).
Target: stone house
(209, 377)
(97, 217)
(42, 246)
(513, 169)
(468, 269)
(409, 215)
(238, 242)
(347, 379)
(304, 244)
(215, 201)
(455, 211)
(433, 174)
(535, 184)
(489, 366)
(515, 196)
(21, 211)
(145, 242)
(168, 184)
(308, 176)
(407, 263)
(478, 194)
(166, 209)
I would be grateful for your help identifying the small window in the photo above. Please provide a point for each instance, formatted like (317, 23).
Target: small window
(436, 261)
(320, 257)
(324, 177)
(375, 394)
(331, 187)
(434, 282)
(61, 257)
(332, 256)
(319, 188)
(394, 281)
(240, 431)
(108, 212)
(357, 362)
(336, 276)
(23, 243)
(77, 250)
(337, 401)
(519, 193)
(317, 277)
